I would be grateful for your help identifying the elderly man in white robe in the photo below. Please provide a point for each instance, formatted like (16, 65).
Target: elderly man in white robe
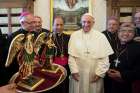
(88, 58)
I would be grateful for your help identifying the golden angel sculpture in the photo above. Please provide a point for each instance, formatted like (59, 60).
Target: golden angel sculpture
(26, 48)
(49, 51)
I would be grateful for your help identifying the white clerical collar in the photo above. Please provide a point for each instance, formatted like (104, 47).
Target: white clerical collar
(87, 32)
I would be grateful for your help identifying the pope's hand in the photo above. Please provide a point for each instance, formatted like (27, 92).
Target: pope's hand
(75, 76)
(95, 78)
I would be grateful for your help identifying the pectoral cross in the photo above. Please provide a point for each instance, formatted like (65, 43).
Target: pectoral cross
(116, 62)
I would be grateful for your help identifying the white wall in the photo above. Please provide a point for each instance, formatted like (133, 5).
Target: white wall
(42, 9)
(99, 12)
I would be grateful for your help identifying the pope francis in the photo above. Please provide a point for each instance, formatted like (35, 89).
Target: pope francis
(88, 58)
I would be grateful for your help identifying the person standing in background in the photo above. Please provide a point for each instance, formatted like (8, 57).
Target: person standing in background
(111, 34)
(27, 24)
(136, 84)
(137, 23)
(88, 59)
(111, 31)
(38, 25)
(61, 42)
(125, 69)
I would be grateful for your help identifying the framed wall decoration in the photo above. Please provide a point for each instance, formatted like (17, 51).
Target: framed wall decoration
(71, 11)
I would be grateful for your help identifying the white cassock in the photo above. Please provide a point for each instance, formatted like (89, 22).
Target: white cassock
(88, 56)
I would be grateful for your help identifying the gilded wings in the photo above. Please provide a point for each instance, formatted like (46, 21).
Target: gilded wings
(40, 39)
(15, 46)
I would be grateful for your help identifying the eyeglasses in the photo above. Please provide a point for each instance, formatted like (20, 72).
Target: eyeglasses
(129, 31)
(32, 22)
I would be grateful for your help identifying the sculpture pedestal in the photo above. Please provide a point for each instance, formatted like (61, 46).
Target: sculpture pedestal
(51, 79)
(52, 68)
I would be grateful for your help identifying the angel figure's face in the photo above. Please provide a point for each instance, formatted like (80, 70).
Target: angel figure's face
(29, 37)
